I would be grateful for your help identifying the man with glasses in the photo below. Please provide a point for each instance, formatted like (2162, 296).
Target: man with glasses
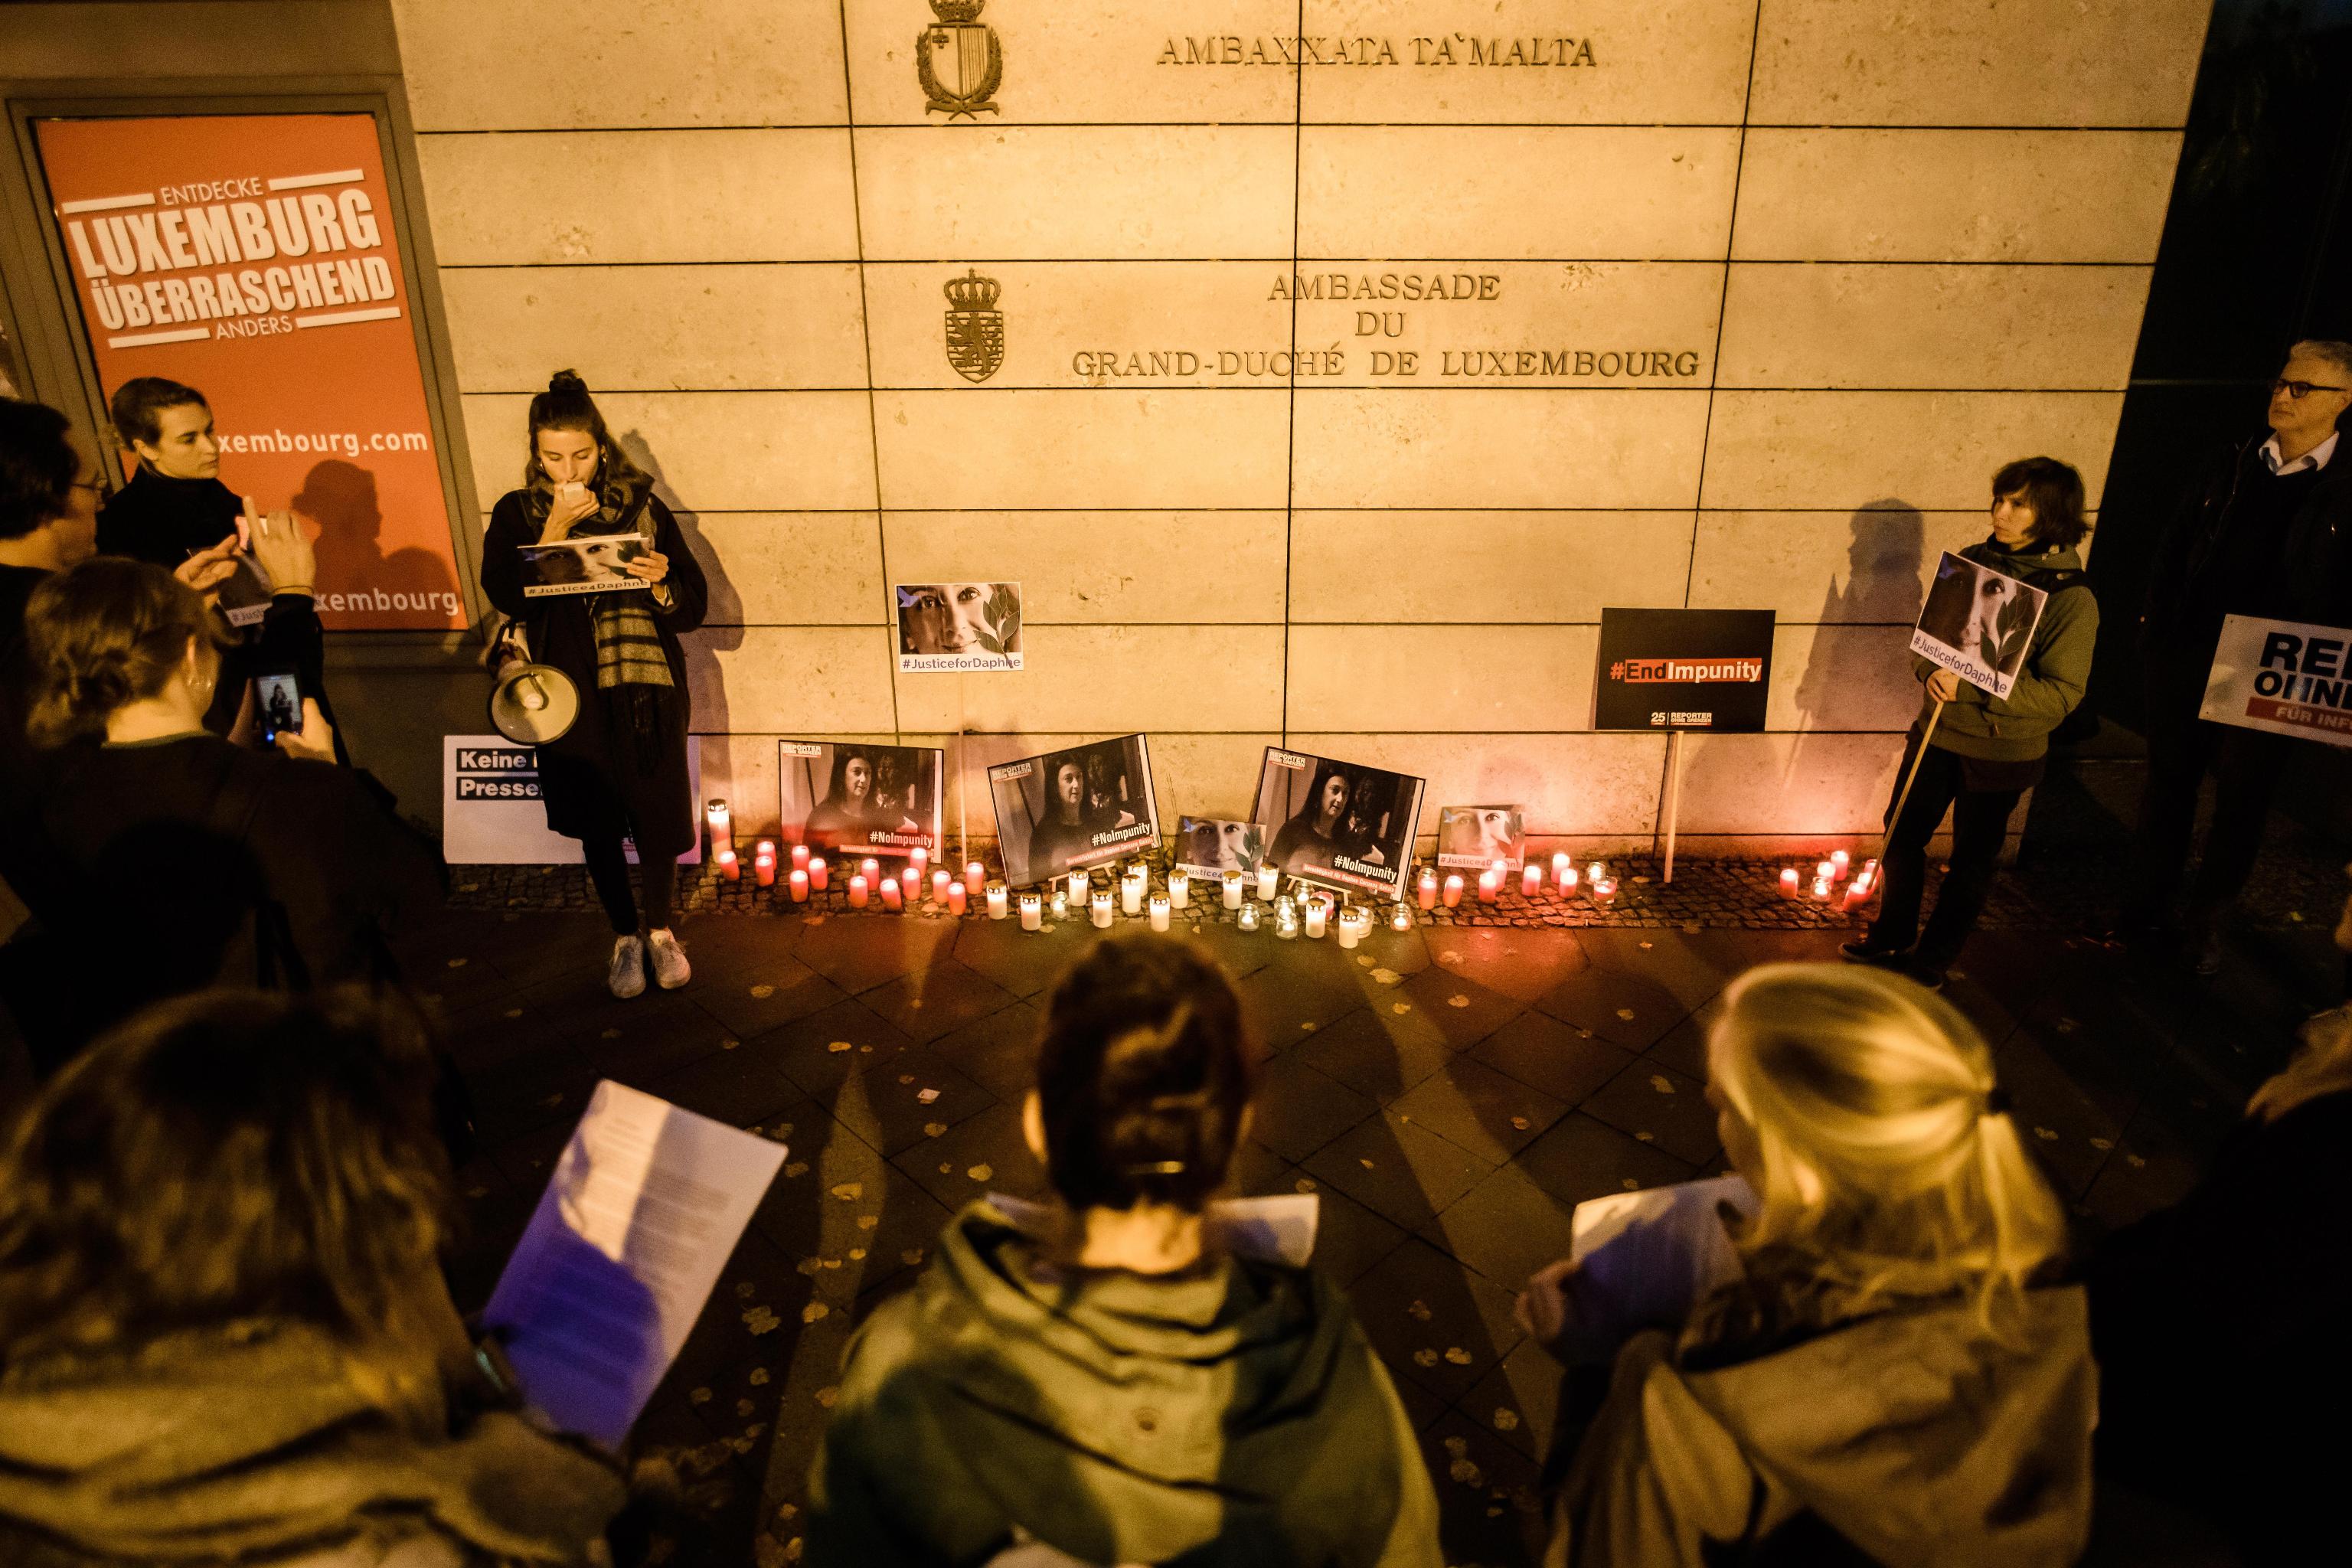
(2268, 534)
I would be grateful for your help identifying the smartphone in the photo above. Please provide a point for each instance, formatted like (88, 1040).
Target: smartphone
(277, 705)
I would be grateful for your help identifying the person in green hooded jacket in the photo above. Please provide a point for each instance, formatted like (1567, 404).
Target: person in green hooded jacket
(1125, 1377)
(1986, 752)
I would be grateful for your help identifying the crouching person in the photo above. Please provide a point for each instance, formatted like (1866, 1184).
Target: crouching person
(1118, 1383)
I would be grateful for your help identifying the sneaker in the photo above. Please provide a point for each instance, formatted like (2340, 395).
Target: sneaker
(1920, 975)
(627, 975)
(670, 967)
(1861, 950)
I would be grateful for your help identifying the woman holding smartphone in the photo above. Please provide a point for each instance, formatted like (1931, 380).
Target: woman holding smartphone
(619, 772)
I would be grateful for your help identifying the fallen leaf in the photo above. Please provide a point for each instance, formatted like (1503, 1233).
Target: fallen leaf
(1418, 1312)
(1457, 1355)
(1386, 975)
(906, 1077)
(1626, 1013)
(850, 1192)
(826, 1395)
(1519, 1122)
(698, 1396)
(868, 1221)
(729, 1045)
(1662, 1083)
(813, 1311)
(1367, 1164)
(763, 991)
(1399, 1008)
(761, 1321)
(1506, 1419)
(1646, 1137)
(744, 1408)
(1306, 1184)
(2045, 1134)
(1457, 1447)
(856, 1254)
(797, 1168)
(1457, 1001)
(1630, 1186)
(980, 1172)
(745, 1288)
(946, 1169)
(935, 1129)
(928, 1095)
(837, 1046)
(759, 1376)
(1468, 1474)
(911, 1257)
(2103, 1143)
(1424, 1358)
(833, 1262)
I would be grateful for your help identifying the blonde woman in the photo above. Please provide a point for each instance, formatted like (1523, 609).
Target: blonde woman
(1885, 1382)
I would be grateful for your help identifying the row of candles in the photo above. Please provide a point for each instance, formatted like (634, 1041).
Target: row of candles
(1829, 876)
(1565, 878)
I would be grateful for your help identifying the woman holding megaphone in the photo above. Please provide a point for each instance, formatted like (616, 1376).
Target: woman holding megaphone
(1976, 755)
(618, 772)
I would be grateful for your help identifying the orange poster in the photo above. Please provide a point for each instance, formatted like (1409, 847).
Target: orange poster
(252, 257)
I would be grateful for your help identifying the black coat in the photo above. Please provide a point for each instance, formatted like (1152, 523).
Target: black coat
(2315, 573)
(592, 780)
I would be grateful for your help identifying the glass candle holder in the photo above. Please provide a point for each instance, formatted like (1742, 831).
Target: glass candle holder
(1604, 890)
(1032, 907)
(729, 868)
(1268, 879)
(1247, 919)
(1059, 904)
(1453, 890)
(1100, 904)
(1424, 891)
(858, 896)
(1230, 887)
(1596, 871)
(1488, 883)
(975, 879)
(939, 880)
(1000, 902)
(715, 816)
(820, 873)
(1159, 911)
(1789, 888)
(1179, 890)
(958, 900)
(1286, 919)
(1401, 920)
(800, 887)
(1822, 888)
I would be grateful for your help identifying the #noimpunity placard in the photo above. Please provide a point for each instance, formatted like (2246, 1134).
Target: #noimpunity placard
(1068, 810)
(1338, 824)
(856, 799)
(958, 625)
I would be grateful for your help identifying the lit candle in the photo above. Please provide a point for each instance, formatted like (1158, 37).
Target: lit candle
(1488, 885)
(730, 867)
(763, 870)
(1353, 924)
(939, 880)
(999, 901)
(1159, 911)
(857, 885)
(872, 868)
(1231, 889)
(1840, 863)
(893, 894)
(1319, 918)
(1453, 889)
(800, 887)
(1562, 868)
(1131, 892)
(1401, 920)
(1857, 893)
(1868, 875)
(1425, 891)
(919, 857)
(1059, 906)
(1531, 881)
(1179, 890)
(1247, 919)
(1604, 890)
(820, 874)
(1825, 872)
(910, 880)
(1595, 872)
(1032, 907)
(1268, 878)
(721, 825)
(1285, 920)
(1100, 906)
(1822, 888)
(1787, 881)
(975, 879)
(1080, 885)
(958, 900)
(768, 848)
(800, 857)
(1568, 880)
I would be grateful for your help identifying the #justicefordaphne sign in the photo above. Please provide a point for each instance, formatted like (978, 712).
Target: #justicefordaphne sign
(253, 258)
(2287, 677)
(1683, 669)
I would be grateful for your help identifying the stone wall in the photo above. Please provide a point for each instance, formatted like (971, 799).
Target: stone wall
(1719, 303)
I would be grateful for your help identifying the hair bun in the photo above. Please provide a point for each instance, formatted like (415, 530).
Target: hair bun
(567, 381)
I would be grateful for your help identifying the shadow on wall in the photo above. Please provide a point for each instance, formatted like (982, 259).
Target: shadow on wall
(1885, 560)
(722, 623)
(341, 498)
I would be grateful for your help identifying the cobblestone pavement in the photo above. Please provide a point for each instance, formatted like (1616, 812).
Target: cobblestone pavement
(1450, 1091)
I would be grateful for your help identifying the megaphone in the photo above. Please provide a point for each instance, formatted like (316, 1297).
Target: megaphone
(533, 704)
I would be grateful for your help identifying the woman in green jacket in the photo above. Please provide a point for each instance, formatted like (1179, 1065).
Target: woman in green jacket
(1124, 1378)
(1988, 751)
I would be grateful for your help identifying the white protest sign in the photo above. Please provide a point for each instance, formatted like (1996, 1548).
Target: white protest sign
(2289, 678)
(490, 810)
(1978, 623)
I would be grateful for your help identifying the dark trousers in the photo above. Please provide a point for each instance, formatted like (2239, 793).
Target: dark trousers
(1979, 822)
(608, 869)
(2181, 750)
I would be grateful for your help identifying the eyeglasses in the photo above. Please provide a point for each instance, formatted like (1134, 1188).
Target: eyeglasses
(2299, 390)
(95, 486)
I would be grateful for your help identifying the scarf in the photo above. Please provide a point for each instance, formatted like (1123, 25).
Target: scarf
(631, 667)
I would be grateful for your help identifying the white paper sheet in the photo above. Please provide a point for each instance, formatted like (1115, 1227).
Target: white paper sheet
(1654, 1254)
(644, 1209)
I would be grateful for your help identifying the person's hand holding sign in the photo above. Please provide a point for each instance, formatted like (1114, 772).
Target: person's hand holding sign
(1943, 685)
(652, 566)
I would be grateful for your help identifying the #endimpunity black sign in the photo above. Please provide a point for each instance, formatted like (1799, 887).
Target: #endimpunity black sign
(1683, 669)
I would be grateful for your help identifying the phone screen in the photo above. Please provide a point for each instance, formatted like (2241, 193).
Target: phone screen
(277, 705)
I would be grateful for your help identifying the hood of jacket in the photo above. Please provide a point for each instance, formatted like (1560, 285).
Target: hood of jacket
(1922, 1440)
(2025, 560)
(1234, 1408)
(254, 1441)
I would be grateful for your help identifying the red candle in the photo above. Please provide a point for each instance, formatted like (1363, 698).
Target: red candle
(1567, 879)
(891, 897)
(910, 885)
(940, 885)
(730, 867)
(918, 858)
(800, 857)
(1425, 891)
(1787, 881)
(763, 870)
(766, 847)
(1825, 872)
(1838, 862)
(800, 887)
(1453, 891)
(871, 868)
(958, 900)
(1531, 881)
(975, 879)
(858, 891)
(1487, 884)
(819, 874)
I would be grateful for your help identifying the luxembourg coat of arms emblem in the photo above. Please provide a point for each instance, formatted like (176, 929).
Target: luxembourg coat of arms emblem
(975, 326)
(958, 62)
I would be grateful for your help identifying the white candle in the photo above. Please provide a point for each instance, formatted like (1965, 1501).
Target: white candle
(1159, 911)
(1268, 878)
(1032, 908)
(1566, 880)
(1839, 863)
(1100, 905)
(871, 869)
(767, 846)
(1179, 890)
(1232, 889)
(999, 901)
(721, 825)
(820, 874)
(1131, 893)
(800, 887)
(1353, 925)
(1080, 885)
(910, 885)
(1319, 917)
(1488, 885)
(1560, 864)
(1531, 881)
